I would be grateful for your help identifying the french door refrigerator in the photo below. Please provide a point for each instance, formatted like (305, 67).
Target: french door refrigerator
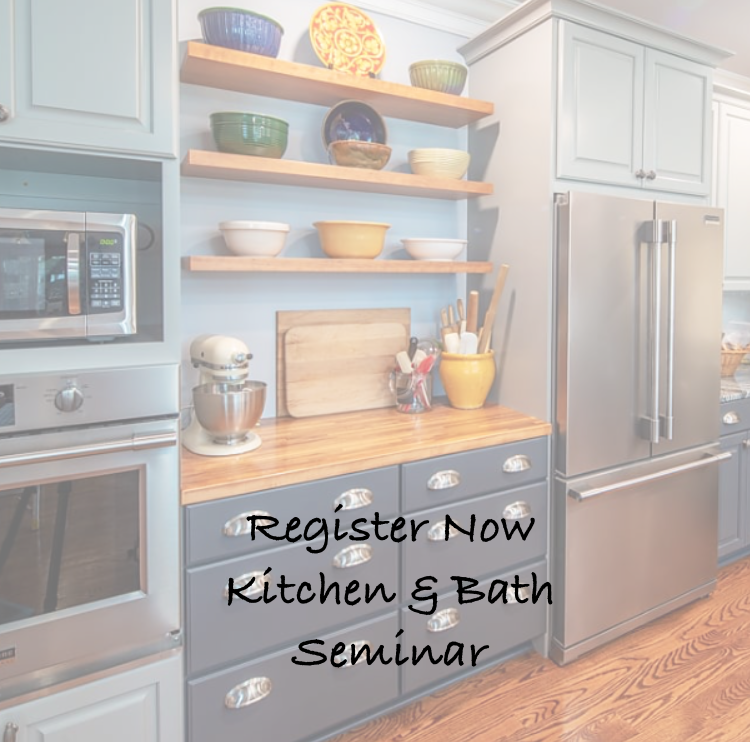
(636, 389)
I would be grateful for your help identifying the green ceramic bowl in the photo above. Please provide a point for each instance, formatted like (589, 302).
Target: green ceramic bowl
(439, 75)
(249, 134)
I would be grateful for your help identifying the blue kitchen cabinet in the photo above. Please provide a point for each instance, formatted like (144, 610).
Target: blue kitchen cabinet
(89, 74)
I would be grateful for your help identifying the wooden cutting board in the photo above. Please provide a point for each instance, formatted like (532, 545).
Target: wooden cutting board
(288, 319)
(341, 368)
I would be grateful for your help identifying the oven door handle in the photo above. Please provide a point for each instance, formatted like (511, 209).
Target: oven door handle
(135, 443)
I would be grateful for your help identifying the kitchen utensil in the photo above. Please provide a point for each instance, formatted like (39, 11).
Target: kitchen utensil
(353, 153)
(249, 133)
(412, 347)
(263, 239)
(432, 248)
(472, 311)
(236, 28)
(286, 320)
(349, 239)
(338, 368)
(468, 343)
(467, 379)
(353, 119)
(439, 162)
(460, 308)
(489, 317)
(439, 75)
(344, 38)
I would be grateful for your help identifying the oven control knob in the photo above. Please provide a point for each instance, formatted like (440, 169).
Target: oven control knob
(69, 399)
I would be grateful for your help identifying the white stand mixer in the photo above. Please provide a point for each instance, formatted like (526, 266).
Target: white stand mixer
(225, 404)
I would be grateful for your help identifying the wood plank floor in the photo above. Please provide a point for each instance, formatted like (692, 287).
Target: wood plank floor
(682, 678)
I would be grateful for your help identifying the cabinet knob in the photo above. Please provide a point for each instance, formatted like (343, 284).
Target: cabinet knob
(640, 174)
(4, 116)
(247, 693)
(651, 175)
(11, 730)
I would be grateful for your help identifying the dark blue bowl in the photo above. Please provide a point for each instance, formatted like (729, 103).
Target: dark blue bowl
(235, 28)
(353, 119)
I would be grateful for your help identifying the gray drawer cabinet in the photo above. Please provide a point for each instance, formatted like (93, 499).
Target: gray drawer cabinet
(241, 681)
(218, 530)
(502, 626)
(273, 700)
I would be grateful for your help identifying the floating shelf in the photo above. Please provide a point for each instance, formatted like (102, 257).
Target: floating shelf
(239, 263)
(205, 164)
(227, 69)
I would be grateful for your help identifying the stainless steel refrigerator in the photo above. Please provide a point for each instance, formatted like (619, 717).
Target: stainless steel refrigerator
(636, 393)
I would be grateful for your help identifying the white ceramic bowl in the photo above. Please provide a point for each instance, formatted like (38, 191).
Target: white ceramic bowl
(439, 162)
(258, 239)
(432, 248)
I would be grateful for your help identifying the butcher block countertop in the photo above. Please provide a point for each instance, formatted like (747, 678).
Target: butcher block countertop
(302, 450)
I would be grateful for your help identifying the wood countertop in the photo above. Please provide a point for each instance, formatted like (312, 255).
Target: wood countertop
(302, 450)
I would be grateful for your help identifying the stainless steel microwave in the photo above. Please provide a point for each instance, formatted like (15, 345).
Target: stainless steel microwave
(66, 275)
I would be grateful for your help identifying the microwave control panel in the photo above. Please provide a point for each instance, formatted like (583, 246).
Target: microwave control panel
(104, 272)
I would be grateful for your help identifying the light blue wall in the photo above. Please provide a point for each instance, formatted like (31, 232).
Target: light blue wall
(245, 305)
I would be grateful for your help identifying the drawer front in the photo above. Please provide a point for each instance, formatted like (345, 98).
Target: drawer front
(502, 626)
(295, 702)
(218, 530)
(218, 634)
(735, 416)
(445, 479)
(432, 555)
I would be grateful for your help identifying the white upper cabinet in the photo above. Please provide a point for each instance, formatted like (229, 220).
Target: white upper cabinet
(99, 74)
(629, 115)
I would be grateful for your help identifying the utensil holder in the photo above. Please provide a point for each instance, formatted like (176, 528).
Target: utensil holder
(413, 391)
(467, 379)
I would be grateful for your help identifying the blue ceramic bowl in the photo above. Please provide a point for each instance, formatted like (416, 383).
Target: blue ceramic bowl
(235, 28)
(352, 119)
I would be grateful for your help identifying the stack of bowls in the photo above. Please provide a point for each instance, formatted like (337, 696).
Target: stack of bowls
(439, 75)
(235, 28)
(439, 162)
(249, 133)
(354, 135)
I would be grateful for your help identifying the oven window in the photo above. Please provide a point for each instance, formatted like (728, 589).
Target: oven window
(68, 543)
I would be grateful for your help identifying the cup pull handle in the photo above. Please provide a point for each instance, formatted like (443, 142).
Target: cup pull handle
(522, 592)
(517, 464)
(353, 556)
(247, 693)
(436, 532)
(443, 620)
(356, 648)
(444, 480)
(239, 525)
(260, 579)
(517, 510)
(353, 499)
(731, 418)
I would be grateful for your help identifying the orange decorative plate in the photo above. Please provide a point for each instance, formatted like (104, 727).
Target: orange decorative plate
(345, 39)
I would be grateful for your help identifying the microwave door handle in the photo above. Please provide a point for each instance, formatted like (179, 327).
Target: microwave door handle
(73, 261)
(671, 252)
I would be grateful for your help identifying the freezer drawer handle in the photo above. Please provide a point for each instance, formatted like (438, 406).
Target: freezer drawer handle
(517, 510)
(261, 579)
(443, 620)
(516, 464)
(353, 499)
(436, 531)
(356, 647)
(248, 693)
(240, 525)
(136, 443)
(444, 480)
(353, 556)
(731, 418)
(624, 484)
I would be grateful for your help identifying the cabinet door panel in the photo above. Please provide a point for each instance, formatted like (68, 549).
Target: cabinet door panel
(600, 109)
(88, 73)
(677, 124)
(732, 498)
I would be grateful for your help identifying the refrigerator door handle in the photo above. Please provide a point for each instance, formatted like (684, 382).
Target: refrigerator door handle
(581, 495)
(668, 422)
(651, 420)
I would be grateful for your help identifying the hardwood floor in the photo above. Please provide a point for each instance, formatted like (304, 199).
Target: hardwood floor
(682, 678)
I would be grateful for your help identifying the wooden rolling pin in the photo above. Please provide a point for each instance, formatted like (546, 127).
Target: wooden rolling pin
(472, 311)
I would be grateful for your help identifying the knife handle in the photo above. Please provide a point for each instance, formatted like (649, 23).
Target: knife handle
(472, 311)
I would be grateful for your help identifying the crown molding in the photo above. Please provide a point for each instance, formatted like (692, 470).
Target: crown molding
(466, 18)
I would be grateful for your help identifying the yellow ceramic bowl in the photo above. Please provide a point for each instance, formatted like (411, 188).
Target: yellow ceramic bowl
(343, 239)
(467, 378)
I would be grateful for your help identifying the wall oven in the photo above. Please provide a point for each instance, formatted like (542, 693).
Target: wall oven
(89, 522)
(66, 275)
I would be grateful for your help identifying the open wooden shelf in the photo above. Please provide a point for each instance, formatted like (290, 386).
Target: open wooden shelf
(221, 165)
(217, 67)
(235, 263)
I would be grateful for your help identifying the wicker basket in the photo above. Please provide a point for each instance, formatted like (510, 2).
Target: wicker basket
(731, 360)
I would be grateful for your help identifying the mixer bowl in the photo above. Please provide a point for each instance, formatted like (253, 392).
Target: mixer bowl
(228, 411)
